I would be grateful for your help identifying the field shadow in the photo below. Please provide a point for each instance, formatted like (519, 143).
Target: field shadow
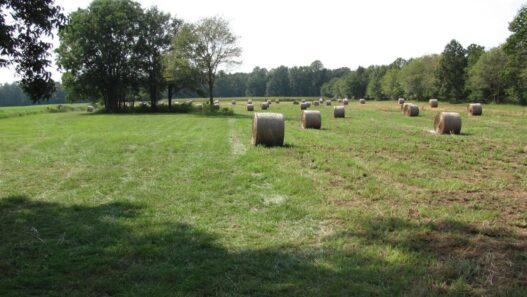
(114, 249)
(492, 260)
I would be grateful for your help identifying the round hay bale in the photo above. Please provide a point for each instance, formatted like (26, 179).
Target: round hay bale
(328, 102)
(339, 112)
(475, 109)
(250, 107)
(403, 106)
(250, 101)
(339, 100)
(345, 101)
(362, 101)
(411, 110)
(447, 123)
(308, 104)
(316, 103)
(311, 119)
(433, 103)
(303, 105)
(90, 108)
(295, 102)
(268, 129)
(277, 101)
(265, 105)
(233, 102)
(320, 100)
(216, 106)
(401, 101)
(268, 101)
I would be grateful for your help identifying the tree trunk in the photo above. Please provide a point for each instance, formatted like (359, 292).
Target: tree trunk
(211, 87)
(170, 97)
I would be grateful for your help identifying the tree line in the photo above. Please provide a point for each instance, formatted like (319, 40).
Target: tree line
(116, 51)
(12, 94)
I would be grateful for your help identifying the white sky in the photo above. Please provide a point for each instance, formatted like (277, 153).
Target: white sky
(341, 33)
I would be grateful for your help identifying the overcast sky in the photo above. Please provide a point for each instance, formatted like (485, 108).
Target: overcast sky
(342, 33)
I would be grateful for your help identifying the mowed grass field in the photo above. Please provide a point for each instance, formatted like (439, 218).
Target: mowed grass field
(183, 205)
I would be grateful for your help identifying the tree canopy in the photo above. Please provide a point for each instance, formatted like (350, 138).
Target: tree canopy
(23, 24)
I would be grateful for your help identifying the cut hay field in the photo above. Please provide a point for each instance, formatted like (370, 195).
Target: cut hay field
(183, 205)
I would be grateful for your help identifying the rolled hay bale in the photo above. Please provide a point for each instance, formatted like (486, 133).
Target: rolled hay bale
(362, 101)
(265, 105)
(233, 102)
(90, 108)
(339, 112)
(328, 102)
(216, 106)
(447, 123)
(268, 101)
(433, 103)
(308, 104)
(268, 129)
(401, 101)
(311, 119)
(250, 101)
(295, 102)
(411, 110)
(316, 103)
(277, 101)
(250, 107)
(303, 106)
(339, 100)
(345, 101)
(320, 100)
(475, 109)
(403, 106)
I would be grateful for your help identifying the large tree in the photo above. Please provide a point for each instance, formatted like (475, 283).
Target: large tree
(451, 71)
(418, 79)
(156, 32)
(208, 45)
(23, 23)
(98, 50)
(516, 50)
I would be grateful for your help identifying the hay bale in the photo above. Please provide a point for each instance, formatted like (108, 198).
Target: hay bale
(411, 110)
(339, 112)
(362, 101)
(316, 103)
(277, 101)
(403, 106)
(295, 102)
(250, 107)
(90, 108)
(433, 103)
(268, 129)
(311, 119)
(308, 104)
(475, 109)
(320, 100)
(447, 123)
(265, 105)
(345, 101)
(233, 102)
(339, 100)
(303, 105)
(216, 106)
(401, 101)
(250, 101)
(328, 102)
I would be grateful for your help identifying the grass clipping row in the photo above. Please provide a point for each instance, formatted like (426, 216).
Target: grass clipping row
(268, 129)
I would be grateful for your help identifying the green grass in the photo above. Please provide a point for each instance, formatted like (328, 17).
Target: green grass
(14, 111)
(183, 205)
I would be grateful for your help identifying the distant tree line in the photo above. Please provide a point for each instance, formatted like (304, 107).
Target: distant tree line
(117, 52)
(12, 94)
